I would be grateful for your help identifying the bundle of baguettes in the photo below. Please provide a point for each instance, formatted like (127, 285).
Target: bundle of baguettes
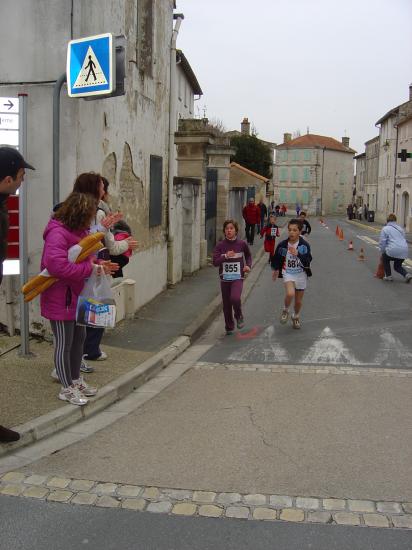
(77, 253)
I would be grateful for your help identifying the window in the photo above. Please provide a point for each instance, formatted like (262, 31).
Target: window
(295, 155)
(305, 196)
(295, 174)
(283, 196)
(306, 174)
(307, 154)
(156, 191)
(285, 155)
(292, 195)
(283, 174)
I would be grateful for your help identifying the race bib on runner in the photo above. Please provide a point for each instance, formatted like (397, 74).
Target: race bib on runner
(231, 271)
(292, 265)
(273, 232)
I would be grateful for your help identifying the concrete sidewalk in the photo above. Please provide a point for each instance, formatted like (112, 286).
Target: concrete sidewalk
(137, 350)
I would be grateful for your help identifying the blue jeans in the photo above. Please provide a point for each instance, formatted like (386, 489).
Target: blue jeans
(397, 265)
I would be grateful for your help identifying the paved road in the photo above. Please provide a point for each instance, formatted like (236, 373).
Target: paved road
(243, 425)
(349, 317)
(30, 525)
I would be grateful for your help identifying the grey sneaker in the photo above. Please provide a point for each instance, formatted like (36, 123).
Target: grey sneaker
(73, 395)
(408, 278)
(284, 316)
(84, 367)
(85, 389)
(388, 278)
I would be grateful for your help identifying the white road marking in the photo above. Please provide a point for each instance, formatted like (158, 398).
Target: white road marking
(392, 352)
(368, 240)
(263, 349)
(328, 349)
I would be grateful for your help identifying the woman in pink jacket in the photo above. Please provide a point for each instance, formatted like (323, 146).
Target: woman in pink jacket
(58, 303)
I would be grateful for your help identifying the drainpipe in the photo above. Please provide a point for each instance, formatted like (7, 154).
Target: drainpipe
(395, 170)
(321, 183)
(56, 137)
(172, 128)
(9, 305)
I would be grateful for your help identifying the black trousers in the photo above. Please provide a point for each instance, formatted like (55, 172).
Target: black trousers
(91, 348)
(250, 232)
(397, 265)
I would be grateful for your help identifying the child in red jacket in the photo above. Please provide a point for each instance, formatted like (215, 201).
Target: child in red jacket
(270, 231)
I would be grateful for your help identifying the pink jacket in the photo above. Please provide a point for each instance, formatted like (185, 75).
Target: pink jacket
(58, 302)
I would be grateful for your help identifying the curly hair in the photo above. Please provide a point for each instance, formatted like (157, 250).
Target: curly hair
(88, 182)
(233, 222)
(77, 211)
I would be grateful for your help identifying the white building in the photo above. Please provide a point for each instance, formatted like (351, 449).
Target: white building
(315, 172)
(370, 196)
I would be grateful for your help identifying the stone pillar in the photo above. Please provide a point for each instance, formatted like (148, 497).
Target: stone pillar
(192, 140)
(219, 158)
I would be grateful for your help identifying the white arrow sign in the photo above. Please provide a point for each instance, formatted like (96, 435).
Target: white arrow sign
(9, 105)
(9, 122)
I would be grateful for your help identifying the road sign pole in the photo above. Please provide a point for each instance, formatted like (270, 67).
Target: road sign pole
(24, 258)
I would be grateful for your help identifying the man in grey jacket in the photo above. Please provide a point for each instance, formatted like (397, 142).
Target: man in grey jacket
(394, 249)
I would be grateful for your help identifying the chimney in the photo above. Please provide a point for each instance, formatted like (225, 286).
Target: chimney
(410, 92)
(345, 141)
(245, 127)
(287, 137)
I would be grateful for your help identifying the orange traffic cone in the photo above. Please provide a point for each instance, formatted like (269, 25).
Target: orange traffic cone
(337, 231)
(350, 247)
(380, 272)
(341, 234)
(361, 256)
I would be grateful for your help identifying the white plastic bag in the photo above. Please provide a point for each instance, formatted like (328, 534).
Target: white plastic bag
(95, 305)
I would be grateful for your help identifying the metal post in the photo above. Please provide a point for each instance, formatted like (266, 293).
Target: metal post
(56, 138)
(23, 248)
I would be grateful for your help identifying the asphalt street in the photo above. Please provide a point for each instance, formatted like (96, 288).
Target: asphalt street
(30, 525)
(349, 317)
(235, 423)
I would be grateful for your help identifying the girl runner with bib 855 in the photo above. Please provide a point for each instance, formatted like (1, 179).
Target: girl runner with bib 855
(292, 262)
(233, 257)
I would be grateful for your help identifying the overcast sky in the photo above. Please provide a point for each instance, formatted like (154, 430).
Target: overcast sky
(329, 65)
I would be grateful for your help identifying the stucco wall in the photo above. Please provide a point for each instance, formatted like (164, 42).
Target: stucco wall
(115, 136)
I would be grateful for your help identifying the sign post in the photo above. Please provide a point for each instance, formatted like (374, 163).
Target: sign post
(23, 248)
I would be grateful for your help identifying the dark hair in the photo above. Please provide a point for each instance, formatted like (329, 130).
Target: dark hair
(105, 184)
(77, 211)
(302, 213)
(233, 222)
(88, 182)
(296, 221)
(121, 227)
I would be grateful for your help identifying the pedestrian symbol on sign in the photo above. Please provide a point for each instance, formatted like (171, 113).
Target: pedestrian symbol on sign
(90, 67)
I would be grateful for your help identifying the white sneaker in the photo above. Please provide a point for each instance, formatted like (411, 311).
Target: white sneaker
(85, 389)
(284, 316)
(408, 278)
(53, 374)
(73, 395)
(388, 278)
(102, 356)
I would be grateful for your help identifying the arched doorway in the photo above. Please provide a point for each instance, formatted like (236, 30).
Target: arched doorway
(405, 210)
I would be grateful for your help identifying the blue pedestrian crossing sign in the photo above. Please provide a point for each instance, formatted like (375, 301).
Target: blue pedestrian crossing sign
(91, 66)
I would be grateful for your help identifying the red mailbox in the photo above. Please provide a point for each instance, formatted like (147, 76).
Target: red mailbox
(13, 235)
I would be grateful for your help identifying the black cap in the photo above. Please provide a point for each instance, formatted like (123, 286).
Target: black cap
(11, 161)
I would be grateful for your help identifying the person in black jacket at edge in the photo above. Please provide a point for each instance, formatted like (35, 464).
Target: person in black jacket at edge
(12, 171)
(306, 227)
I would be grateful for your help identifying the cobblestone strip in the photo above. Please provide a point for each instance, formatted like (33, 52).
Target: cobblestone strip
(184, 502)
(305, 369)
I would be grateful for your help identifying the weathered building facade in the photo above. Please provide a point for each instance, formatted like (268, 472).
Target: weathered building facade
(125, 138)
(315, 172)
